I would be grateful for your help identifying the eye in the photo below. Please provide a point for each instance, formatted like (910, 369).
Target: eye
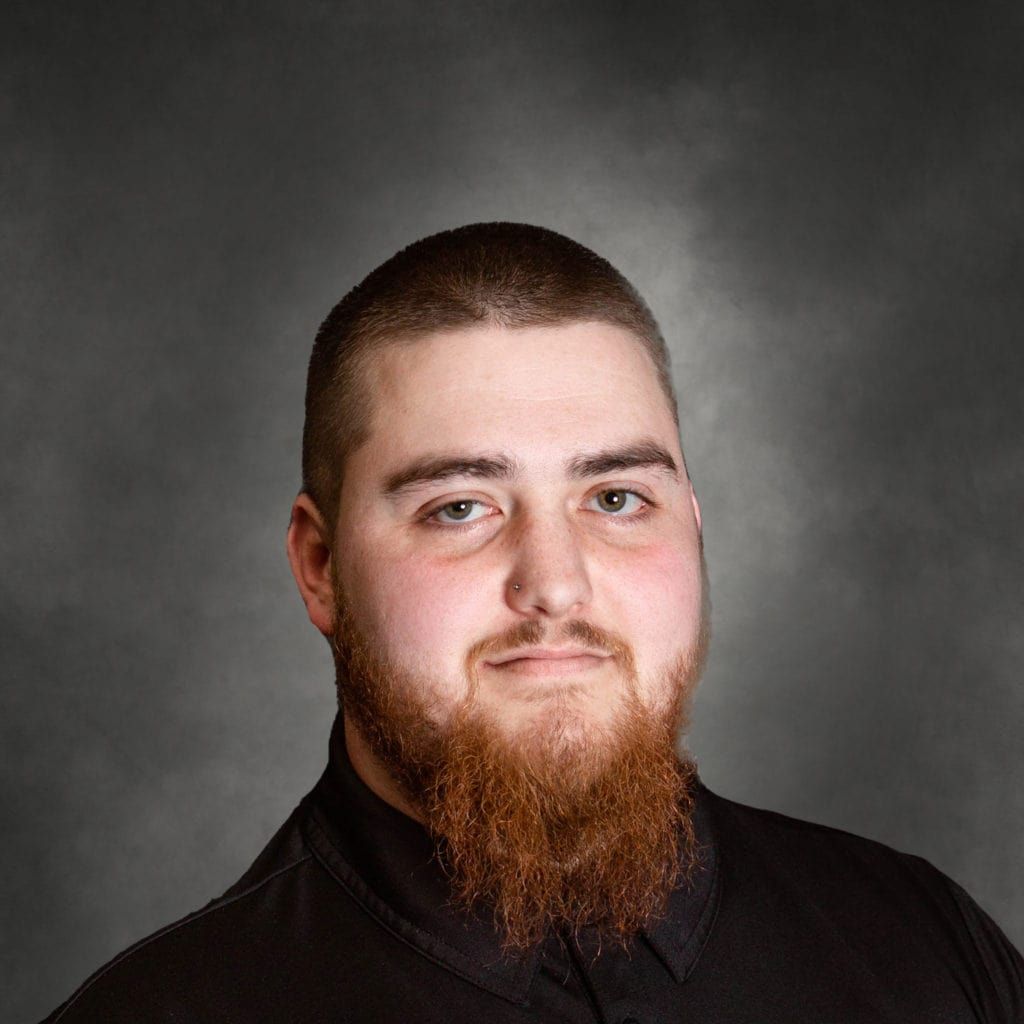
(457, 511)
(622, 503)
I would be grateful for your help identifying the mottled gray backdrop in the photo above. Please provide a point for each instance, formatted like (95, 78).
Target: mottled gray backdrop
(823, 204)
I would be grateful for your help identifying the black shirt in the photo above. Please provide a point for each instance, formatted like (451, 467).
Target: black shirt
(345, 917)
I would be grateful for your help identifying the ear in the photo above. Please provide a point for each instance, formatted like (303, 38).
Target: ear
(309, 554)
(696, 511)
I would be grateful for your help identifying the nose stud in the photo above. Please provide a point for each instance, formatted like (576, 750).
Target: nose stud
(516, 586)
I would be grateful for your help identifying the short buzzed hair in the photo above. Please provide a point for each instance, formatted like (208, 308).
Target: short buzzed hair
(511, 275)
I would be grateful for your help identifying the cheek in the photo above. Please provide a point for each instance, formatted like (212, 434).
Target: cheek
(427, 614)
(659, 599)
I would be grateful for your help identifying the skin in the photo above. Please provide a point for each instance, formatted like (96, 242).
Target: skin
(430, 595)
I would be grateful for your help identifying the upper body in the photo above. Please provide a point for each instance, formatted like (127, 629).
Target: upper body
(345, 917)
(498, 535)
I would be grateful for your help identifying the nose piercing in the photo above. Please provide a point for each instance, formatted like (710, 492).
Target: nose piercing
(516, 586)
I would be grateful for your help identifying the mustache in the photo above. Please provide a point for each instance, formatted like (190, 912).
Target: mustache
(532, 633)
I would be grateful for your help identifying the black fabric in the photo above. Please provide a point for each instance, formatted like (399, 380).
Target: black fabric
(345, 917)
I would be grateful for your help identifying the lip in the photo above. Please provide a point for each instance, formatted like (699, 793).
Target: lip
(550, 668)
(550, 654)
(549, 662)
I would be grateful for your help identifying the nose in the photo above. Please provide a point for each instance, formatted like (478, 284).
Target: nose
(549, 565)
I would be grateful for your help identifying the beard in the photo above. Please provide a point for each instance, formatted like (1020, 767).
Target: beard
(564, 825)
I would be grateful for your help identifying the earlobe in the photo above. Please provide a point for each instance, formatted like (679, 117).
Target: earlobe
(309, 555)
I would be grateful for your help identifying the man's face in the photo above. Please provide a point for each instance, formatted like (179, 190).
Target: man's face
(608, 558)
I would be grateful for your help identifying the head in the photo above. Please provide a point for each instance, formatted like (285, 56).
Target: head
(498, 536)
(508, 275)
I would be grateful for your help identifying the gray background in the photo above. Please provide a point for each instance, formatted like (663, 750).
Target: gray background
(823, 204)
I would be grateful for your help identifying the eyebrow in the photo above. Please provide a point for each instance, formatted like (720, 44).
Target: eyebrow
(430, 469)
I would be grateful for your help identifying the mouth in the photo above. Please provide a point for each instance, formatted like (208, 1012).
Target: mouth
(550, 666)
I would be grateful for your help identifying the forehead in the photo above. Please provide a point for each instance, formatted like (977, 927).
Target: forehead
(494, 386)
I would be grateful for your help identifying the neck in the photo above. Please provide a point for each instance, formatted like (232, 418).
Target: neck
(373, 774)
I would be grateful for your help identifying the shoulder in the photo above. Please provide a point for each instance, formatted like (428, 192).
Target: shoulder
(828, 862)
(772, 832)
(889, 905)
(185, 967)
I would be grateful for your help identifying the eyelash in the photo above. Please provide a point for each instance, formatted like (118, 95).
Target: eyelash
(631, 520)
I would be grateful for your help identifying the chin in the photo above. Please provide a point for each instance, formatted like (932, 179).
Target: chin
(553, 724)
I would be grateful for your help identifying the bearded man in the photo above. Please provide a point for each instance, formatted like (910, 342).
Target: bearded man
(498, 536)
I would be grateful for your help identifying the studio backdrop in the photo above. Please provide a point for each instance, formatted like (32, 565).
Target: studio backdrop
(822, 203)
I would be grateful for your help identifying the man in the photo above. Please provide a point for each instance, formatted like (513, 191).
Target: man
(498, 536)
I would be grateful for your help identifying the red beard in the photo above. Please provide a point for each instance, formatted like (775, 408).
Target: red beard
(546, 832)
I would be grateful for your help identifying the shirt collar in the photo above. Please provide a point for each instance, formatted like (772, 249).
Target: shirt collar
(386, 861)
